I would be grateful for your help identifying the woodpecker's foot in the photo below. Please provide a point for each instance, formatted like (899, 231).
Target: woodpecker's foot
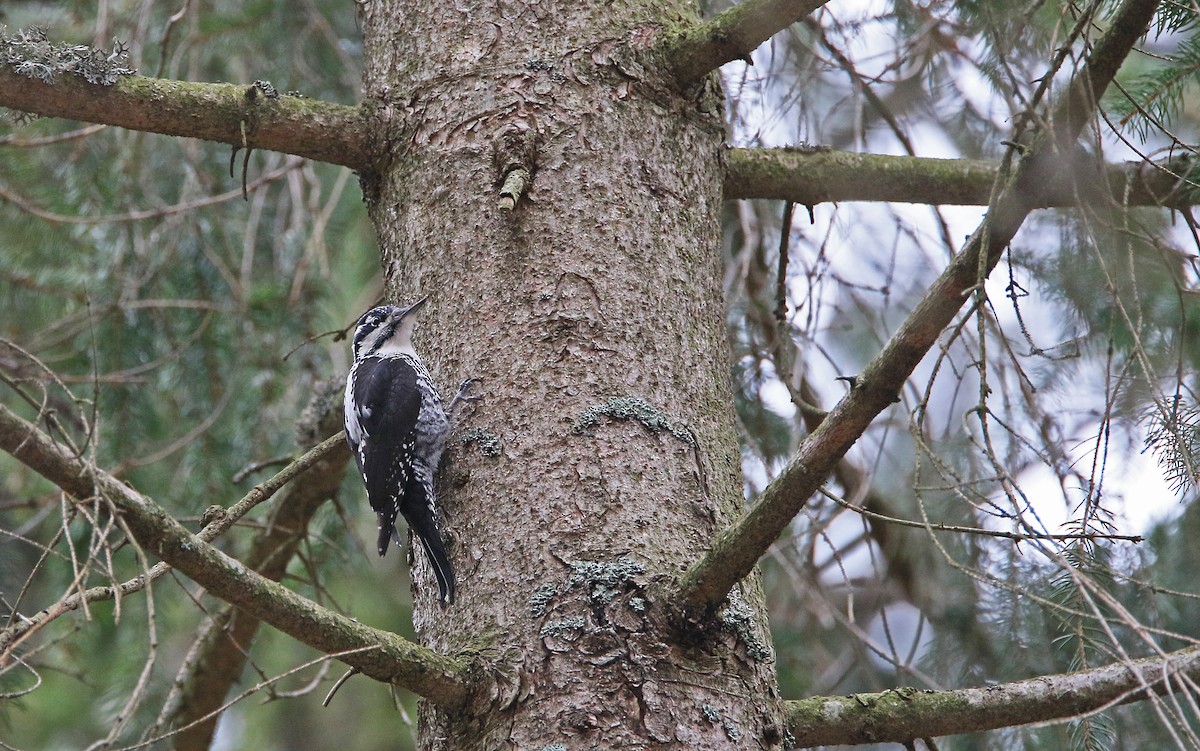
(462, 395)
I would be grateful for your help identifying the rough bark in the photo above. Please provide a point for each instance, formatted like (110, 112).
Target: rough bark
(592, 312)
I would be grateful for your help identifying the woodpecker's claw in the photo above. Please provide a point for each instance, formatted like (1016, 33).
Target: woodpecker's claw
(462, 395)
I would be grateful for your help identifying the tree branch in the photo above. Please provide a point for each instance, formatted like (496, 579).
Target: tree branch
(12, 636)
(219, 651)
(326, 132)
(903, 715)
(733, 34)
(387, 658)
(736, 550)
(810, 177)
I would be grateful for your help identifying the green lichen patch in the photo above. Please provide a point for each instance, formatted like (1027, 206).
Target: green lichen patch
(604, 580)
(564, 626)
(713, 716)
(539, 601)
(489, 442)
(739, 618)
(30, 53)
(633, 408)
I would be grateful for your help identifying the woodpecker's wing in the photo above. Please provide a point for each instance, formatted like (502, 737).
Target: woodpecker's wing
(387, 404)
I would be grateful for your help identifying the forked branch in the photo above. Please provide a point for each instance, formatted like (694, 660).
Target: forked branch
(735, 551)
(733, 34)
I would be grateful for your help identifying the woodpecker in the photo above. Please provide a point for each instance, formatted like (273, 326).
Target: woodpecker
(397, 429)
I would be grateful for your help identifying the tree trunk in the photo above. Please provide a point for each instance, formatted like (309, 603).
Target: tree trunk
(592, 314)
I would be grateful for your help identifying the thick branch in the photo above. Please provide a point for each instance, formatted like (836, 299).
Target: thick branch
(733, 34)
(326, 132)
(736, 550)
(811, 177)
(903, 715)
(387, 657)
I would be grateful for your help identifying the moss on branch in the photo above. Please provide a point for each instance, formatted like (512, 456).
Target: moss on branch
(902, 715)
(735, 33)
(222, 112)
(809, 177)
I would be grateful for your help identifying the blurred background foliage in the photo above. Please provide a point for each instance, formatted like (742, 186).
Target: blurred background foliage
(170, 338)
(177, 320)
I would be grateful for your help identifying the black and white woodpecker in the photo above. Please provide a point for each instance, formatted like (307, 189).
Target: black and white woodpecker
(397, 429)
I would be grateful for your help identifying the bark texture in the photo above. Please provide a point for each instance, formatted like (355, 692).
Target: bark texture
(605, 454)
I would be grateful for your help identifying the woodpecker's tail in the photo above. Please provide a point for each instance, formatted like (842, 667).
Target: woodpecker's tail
(440, 563)
(420, 511)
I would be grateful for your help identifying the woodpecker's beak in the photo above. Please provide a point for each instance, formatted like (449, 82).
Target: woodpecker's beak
(414, 308)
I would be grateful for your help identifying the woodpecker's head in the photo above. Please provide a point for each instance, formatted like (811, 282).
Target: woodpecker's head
(386, 330)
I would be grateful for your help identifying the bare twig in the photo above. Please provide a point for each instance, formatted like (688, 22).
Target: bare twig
(336, 686)
(957, 529)
(263, 684)
(31, 143)
(135, 216)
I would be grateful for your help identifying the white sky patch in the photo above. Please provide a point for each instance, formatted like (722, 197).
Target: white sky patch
(1134, 490)
(775, 397)
(897, 631)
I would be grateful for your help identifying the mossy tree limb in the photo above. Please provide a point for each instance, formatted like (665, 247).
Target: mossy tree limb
(326, 132)
(733, 34)
(905, 714)
(813, 176)
(381, 654)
